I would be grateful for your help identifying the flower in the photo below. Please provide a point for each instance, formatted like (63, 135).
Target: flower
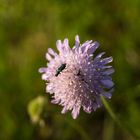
(76, 78)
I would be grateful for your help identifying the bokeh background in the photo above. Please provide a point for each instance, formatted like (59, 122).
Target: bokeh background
(28, 28)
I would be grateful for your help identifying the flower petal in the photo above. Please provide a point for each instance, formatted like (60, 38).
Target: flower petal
(106, 60)
(107, 83)
(108, 71)
(52, 52)
(77, 41)
(107, 95)
(42, 70)
(93, 47)
(48, 57)
(75, 111)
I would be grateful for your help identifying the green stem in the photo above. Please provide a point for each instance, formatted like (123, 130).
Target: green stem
(112, 114)
(116, 119)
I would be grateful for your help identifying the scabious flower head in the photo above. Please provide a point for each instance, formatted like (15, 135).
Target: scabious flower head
(76, 78)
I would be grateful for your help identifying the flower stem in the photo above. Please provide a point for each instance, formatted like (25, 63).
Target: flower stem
(116, 119)
(110, 111)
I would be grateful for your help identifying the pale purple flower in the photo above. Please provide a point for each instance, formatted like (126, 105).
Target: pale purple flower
(76, 78)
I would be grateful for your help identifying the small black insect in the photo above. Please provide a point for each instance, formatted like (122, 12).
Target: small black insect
(78, 74)
(81, 76)
(60, 69)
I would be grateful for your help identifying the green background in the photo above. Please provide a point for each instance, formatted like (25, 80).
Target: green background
(29, 27)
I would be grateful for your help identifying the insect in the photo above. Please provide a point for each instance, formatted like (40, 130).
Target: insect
(81, 76)
(60, 69)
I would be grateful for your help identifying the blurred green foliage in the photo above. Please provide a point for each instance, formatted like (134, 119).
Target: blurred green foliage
(28, 28)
